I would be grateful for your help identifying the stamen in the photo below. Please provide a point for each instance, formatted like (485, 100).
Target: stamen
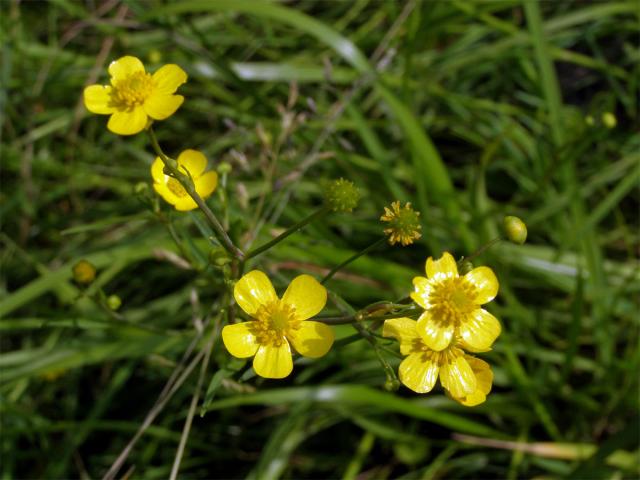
(132, 91)
(274, 322)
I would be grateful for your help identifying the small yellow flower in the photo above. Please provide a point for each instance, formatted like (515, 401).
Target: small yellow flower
(193, 164)
(465, 378)
(452, 305)
(404, 224)
(135, 95)
(278, 324)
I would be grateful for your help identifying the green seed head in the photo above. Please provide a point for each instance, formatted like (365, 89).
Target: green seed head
(341, 195)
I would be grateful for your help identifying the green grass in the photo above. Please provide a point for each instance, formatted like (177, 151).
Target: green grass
(470, 110)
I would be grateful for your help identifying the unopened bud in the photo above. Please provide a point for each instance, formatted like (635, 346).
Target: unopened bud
(392, 384)
(218, 257)
(141, 188)
(609, 119)
(114, 302)
(224, 168)
(84, 272)
(515, 229)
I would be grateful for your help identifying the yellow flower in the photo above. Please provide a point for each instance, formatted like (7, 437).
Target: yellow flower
(465, 378)
(404, 224)
(193, 164)
(452, 305)
(135, 95)
(278, 324)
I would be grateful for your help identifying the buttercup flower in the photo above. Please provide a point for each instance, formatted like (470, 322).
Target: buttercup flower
(404, 224)
(467, 379)
(135, 95)
(452, 306)
(278, 324)
(193, 164)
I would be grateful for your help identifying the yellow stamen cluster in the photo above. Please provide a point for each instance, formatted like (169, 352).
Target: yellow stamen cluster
(275, 321)
(404, 224)
(132, 91)
(450, 301)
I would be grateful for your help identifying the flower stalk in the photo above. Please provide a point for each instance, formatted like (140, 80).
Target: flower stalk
(337, 268)
(298, 226)
(187, 184)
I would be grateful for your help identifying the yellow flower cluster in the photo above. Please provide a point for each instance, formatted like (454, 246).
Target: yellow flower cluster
(133, 100)
(453, 321)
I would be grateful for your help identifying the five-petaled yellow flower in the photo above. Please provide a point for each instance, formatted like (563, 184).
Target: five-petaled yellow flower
(135, 95)
(467, 379)
(278, 324)
(193, 164)
(452, 306)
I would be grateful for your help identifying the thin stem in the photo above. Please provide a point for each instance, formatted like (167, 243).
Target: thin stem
(360, 317)
(187, 184)
(482, 249)
(194, 403)
(334, 270)
(298, 226)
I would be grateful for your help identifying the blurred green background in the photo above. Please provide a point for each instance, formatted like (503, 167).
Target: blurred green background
(470, 110)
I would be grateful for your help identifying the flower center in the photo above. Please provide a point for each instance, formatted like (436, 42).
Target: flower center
(448, 355)
(132, 91)
(451, 300)
(175, 187)
(275, 321)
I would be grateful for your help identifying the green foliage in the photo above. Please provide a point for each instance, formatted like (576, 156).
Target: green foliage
(470, 110)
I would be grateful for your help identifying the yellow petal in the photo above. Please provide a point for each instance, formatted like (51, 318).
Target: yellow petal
(159, 106)
(418, 372)
(184, 204)
(421, 294)
(484, 378)
(123, 67)
(192, 162)
(252, 290)
(97, 99)
(444, 267)
(128, 122)
(479, 330)
(485, 282)
(168, 78)
(206, 184)
(306, 295)
(162, 190)
(312, 339)
(239, 340)
(404, 330)
(457, 377)
(435, 335)
(157, 171)
(272, 361)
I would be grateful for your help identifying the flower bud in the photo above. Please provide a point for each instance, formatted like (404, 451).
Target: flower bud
(84, 272)
(114, 302)
(609, 119)
(219, 257)
(224, 168)
(515, 229)
(141, 188)
(392, 384)
(341, 195)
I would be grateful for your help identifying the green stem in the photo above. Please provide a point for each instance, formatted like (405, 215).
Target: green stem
(334, 270)
(481, 250)
(318, 213)
(360, 317)
(188, 185)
